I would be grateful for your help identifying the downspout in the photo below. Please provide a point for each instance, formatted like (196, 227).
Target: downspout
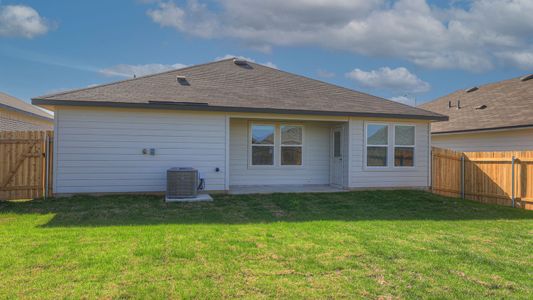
(512, 181)
(430, 159)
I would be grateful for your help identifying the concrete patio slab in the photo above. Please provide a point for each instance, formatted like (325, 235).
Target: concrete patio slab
(270, 189)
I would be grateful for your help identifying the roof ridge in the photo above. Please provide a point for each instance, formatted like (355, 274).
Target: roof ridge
(127, 80)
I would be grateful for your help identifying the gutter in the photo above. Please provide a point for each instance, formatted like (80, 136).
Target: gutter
(501, 128)
(205, 107)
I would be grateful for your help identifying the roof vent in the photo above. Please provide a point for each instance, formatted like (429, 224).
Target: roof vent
(474, 88)
(240, 61)
(182, 80)
(526, 78)
(481, 106)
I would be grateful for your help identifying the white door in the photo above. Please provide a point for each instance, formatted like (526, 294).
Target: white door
(336, 156)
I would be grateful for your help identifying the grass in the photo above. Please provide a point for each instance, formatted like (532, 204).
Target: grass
(380, 244)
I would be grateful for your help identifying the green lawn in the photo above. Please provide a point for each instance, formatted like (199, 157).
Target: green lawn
(389, 244)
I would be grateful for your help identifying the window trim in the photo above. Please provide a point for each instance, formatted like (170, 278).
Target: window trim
(390, 147)
(277, 145)
(387, 146)
(404, 146)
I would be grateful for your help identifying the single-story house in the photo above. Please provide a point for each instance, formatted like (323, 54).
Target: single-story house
(492, 117)
(17, 115)
(242, 125)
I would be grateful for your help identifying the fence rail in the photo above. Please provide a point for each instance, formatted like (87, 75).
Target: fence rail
(26, 164)
(504, 178)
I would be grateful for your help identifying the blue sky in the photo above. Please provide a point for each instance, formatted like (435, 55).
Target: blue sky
(392, 49)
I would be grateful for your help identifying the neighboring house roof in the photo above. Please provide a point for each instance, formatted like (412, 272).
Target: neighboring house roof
(228, 85)
(12, 103)
(500, 105)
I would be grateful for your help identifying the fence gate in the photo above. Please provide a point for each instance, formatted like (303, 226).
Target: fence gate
(25, 164)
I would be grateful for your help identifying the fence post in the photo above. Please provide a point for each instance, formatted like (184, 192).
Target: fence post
(513, 180)
(462, 177)
(47, 165)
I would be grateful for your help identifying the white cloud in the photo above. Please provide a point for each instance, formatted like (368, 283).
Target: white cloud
(398, 80)
(445, 38)
(228, 56)
(22, 21)
(168, 15)
(404, 100)
(194, 19)
(138, 70)
(519, 59)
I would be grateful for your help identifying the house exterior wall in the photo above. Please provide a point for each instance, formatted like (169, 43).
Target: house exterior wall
(390, 177)
(316, 157)
(11, 120)
(99, 150)
(508, 140)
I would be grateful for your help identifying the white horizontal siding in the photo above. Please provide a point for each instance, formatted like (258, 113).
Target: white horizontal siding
(362, 177)
(508, 140)
(100, 150)
(315, 169)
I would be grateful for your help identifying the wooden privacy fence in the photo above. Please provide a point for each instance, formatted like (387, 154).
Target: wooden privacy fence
(25, 164)
(504, 178)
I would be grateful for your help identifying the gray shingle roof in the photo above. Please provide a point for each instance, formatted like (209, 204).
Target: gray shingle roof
(11, 102)
(509, 104)
(223, 85)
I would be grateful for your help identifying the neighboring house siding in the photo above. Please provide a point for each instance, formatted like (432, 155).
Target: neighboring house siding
(316, 157)
(509, 140)
(15, 121)
(100, 150)
(362, 177)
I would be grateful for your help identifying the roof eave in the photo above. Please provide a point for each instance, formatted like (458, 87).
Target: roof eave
(203, 107)
(483, 129)
(51, 118)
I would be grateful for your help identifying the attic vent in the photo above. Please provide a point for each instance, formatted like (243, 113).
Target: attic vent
(474, 88)
(240, 62)
(526, 78)
(182, 80)
(481, 106)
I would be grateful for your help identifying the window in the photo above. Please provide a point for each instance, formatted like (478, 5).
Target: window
(291, 145)
(276, 144)
(377, 144)
(263, 139)
(337, 144)
(404, 145)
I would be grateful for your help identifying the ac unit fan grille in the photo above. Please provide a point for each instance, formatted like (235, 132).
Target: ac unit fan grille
(182, 183)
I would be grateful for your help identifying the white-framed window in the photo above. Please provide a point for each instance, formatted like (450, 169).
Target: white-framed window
(291, 145)
(390, 145)
(377, 145)
(263, 137)
(404, 145)
(276, 144)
